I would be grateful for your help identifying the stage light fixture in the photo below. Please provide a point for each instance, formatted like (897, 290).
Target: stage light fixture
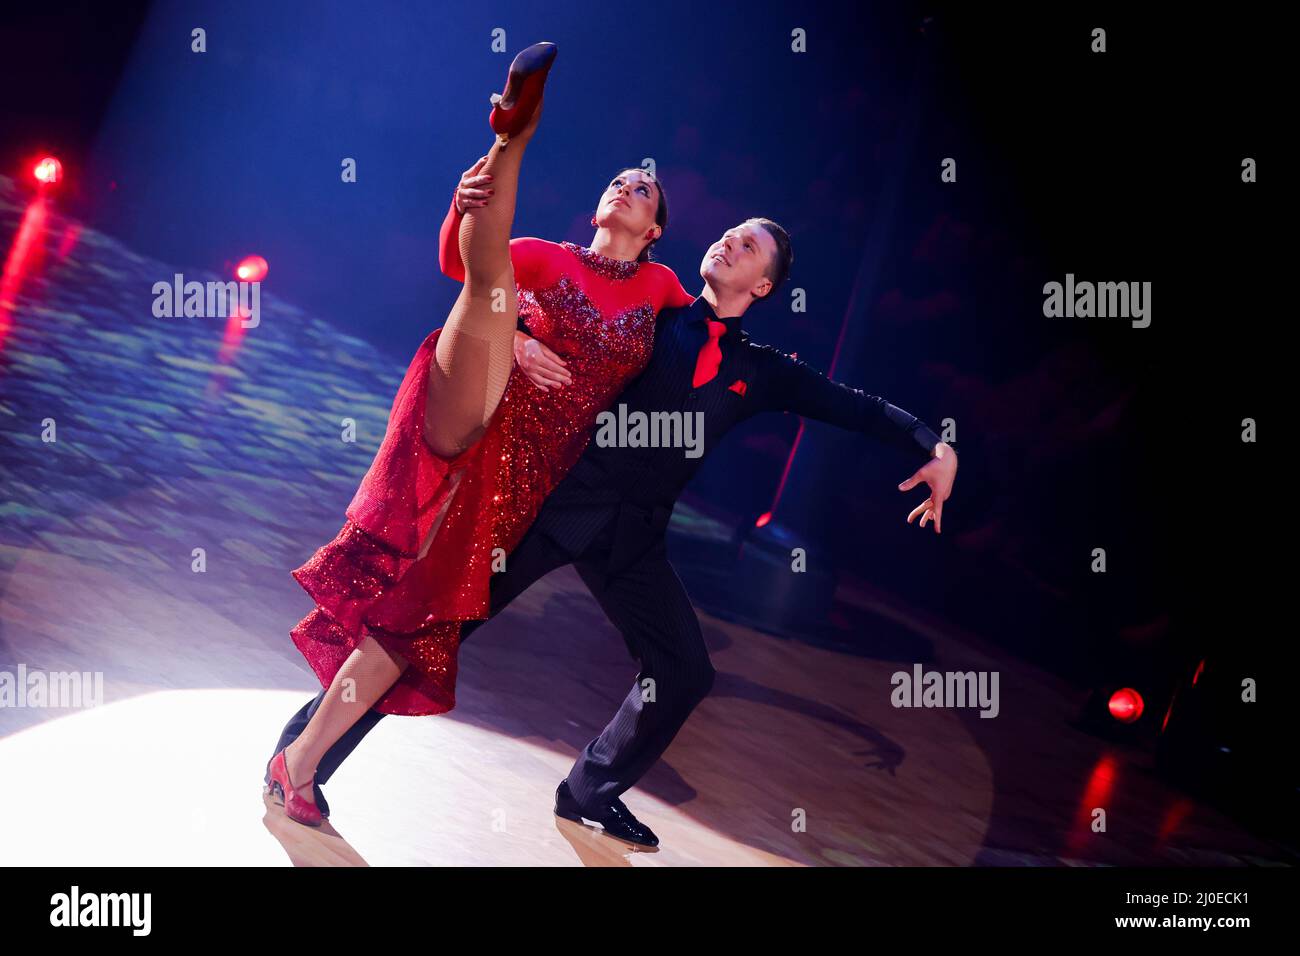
(251, 269)
(48, 171)
(1125, 705)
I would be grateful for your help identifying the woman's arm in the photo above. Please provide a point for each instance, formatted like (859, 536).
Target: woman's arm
(532, 259)
(472, 190)
(672, 295)
(449, 245)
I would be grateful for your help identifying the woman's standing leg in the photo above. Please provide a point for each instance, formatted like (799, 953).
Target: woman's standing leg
(364, 677)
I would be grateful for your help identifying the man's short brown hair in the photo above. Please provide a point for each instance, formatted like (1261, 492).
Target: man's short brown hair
(779, 268)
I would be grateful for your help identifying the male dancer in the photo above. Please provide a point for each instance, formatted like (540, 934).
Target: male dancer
(609, 516)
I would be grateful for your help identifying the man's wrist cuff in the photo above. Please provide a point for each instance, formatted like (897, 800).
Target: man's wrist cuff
(927, 439)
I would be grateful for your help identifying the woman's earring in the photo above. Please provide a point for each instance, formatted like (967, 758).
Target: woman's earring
(593, 220)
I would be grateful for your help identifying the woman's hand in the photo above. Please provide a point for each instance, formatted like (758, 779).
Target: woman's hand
(543, 367)
(938, 473)
(473, 189)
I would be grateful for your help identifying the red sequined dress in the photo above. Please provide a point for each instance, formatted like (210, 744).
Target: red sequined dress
(596, 313)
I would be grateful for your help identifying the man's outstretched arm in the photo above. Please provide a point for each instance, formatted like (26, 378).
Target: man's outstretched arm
(795, 386)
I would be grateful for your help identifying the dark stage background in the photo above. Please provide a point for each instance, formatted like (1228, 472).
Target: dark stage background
(1072, 434)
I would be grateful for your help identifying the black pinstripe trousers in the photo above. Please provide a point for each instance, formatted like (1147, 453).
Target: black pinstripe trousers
(646, 602)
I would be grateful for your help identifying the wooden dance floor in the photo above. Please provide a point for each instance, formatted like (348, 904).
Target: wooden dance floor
(176, 436)
(168, 769)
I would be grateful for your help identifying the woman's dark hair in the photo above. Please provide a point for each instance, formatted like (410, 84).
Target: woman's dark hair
(661, 211)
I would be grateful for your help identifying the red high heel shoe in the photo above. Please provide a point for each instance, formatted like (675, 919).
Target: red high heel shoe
(298, 808)
(523, 88)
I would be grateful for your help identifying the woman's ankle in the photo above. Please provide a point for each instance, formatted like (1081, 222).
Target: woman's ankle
(300, 772)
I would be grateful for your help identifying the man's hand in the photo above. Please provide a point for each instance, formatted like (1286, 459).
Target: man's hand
(938, 473)
(473, 189)
(543, 367)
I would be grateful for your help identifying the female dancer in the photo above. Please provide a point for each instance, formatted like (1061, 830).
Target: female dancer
(473, 446)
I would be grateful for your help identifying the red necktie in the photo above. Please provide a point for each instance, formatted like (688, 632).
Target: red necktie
(710, 357)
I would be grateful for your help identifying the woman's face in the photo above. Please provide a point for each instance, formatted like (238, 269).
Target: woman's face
(629, 203)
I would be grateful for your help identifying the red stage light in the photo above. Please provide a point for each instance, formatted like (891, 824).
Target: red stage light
(48, 171)
(1125, 705)
(763, 519)
(251, 269)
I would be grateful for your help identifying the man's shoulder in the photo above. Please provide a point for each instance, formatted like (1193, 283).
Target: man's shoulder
(779, 363)
(674, 311)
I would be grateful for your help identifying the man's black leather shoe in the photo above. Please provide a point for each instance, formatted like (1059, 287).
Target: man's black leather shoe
(616, 818)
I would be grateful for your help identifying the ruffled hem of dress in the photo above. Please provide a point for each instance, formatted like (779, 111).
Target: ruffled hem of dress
(371, 577)
(359, 580)
(326, 646)
(354, 581)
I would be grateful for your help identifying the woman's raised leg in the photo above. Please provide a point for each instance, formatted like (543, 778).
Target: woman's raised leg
(476, 348)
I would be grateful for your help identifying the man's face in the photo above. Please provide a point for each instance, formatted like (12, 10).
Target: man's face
(740, 260)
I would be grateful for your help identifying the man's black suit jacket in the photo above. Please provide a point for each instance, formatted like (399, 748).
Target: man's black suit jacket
(638, 486)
